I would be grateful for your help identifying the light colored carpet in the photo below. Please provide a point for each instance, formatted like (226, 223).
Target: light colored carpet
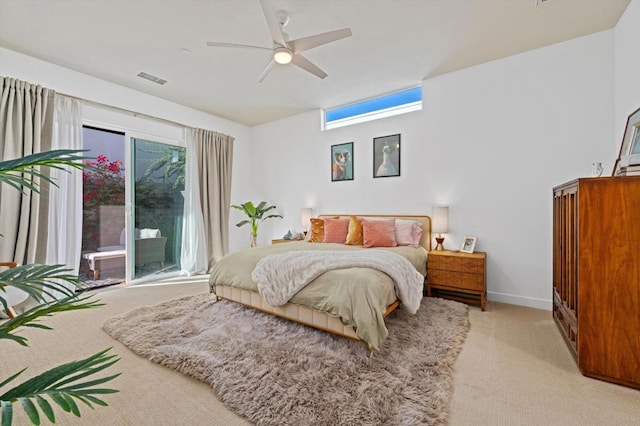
(514, 369)
(276, 372)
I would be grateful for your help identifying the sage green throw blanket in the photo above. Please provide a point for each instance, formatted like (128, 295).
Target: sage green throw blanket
(358, 296)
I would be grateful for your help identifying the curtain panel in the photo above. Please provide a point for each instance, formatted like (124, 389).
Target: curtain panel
(26, 124)
(213, 160)
(64, 242)
(193, 257)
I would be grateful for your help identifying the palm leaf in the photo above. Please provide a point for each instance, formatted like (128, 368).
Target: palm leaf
(30, 317)
(249, 209)
(22, 172)
(272, 216)
(61, 385)
(38, 281)
(7, 413)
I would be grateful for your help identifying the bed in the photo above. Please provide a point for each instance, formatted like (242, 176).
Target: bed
(350, 302)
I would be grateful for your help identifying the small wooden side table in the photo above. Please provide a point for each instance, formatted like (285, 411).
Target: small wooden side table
(458, 276)
(282, 240)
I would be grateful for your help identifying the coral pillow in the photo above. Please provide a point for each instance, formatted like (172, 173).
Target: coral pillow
(408, 232)
(335, 230)
(379, 232)
(316, 233)
(354, 236)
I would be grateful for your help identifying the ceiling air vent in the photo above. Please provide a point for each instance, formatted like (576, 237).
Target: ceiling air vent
(153, 78)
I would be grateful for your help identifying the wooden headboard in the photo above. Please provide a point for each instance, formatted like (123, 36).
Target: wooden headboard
(425, 221)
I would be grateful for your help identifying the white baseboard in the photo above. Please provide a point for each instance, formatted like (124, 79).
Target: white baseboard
(512, 299)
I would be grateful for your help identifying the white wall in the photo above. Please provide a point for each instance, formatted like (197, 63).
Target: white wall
(626, 69)
(69, 82)
(491, 142)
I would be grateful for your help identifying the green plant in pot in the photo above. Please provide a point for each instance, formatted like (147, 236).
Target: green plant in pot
(68, 384)
(256, 214)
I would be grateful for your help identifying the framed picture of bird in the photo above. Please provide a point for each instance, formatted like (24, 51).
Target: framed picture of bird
(386, 156)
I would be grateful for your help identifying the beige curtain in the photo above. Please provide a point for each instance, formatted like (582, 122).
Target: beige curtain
(214, 152)
(26, 124)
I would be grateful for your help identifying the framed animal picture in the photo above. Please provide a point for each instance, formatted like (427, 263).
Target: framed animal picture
(342, 161)
(386, 156)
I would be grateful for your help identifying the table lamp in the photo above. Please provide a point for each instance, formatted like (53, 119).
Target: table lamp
(305, 219)
(440, 224)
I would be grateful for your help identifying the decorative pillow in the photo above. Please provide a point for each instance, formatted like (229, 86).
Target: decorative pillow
(354, 235)
(408, 232)
(379, 232)
(316, 233)
(149, 233)
(335, 230)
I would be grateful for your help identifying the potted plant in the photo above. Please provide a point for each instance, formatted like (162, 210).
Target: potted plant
(256, 214)
(65, 384)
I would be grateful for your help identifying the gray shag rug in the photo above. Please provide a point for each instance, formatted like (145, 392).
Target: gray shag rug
(275, 372)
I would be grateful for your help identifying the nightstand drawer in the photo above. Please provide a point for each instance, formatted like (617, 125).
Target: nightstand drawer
(447, 263)
(457, 264)
(472, 281)
(436, 276)
(474, 266)
(456, 279)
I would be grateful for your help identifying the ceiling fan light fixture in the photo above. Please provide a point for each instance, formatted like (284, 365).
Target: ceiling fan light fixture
(282, 55)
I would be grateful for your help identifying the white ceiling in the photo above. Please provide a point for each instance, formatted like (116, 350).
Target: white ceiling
(395, 44)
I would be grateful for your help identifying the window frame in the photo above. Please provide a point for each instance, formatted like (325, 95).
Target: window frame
(374, 114)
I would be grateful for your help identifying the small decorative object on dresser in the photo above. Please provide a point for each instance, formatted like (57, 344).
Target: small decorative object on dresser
(457, 276)
(468, 244)
(596, 170)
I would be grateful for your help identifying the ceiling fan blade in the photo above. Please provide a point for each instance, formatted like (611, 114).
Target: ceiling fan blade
(306, 43)
(306, 65)
(265, 71)
(274, 26)
(242, 46)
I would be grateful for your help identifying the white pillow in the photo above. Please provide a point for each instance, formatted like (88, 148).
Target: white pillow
(149, 233)
(408, 232)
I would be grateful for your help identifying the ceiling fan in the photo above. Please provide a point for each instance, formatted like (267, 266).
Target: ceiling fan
(286, 51)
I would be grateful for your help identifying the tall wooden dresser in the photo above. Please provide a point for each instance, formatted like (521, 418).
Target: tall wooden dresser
(596, 275)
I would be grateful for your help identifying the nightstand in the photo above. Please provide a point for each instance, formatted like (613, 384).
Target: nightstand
(282, 240)
(458, 276)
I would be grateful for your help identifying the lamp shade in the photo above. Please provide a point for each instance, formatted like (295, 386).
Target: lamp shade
(440, 220)
(305, 217)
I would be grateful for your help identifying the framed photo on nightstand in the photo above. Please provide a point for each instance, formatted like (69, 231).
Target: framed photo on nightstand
(468, 244)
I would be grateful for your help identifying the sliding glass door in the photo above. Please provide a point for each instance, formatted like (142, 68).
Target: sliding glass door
(102, 260)
(158, 207)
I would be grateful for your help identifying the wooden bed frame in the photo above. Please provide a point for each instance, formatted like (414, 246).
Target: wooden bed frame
(308, 316)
